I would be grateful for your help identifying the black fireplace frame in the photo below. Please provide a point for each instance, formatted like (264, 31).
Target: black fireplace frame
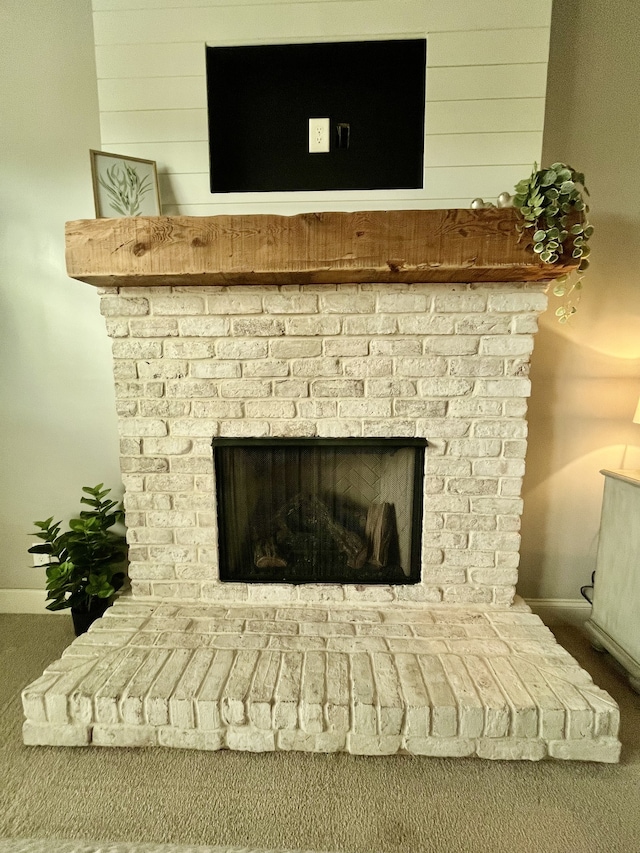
(419, 444)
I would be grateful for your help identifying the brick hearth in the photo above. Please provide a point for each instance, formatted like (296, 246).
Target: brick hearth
(328, 678)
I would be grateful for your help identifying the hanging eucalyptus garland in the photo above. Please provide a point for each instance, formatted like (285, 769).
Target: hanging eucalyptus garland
(546, 201)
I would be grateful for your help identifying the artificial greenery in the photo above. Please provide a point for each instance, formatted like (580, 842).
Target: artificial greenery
(125, 188)
(547, 201)
(85, 562)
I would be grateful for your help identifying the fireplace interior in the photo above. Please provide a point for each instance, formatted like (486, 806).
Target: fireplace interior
(319, 510)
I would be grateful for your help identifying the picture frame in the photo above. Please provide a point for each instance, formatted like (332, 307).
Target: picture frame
(124, 186)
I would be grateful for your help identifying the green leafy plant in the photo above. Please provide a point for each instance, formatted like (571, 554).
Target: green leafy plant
(125, 188)
(85, 562)
(548, 201)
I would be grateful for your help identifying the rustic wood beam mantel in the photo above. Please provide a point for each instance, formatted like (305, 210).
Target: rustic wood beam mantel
(455, 245)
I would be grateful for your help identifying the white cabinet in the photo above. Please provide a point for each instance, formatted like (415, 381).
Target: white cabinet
(615, 616)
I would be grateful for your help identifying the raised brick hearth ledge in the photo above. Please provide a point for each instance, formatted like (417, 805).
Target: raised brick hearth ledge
(437, 681)
(389, 324)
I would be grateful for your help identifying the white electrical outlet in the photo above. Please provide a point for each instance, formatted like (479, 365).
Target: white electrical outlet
(41, 559)
(319, 131)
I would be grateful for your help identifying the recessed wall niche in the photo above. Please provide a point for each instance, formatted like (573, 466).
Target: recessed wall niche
(261, 98)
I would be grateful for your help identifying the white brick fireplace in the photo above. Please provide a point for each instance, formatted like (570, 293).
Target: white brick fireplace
(445, 362)
(396, 346)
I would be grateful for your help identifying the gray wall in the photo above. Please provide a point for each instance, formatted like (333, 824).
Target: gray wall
(57, 418)
(586, 374)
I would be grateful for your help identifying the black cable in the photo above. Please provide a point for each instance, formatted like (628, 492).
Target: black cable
(586, 587)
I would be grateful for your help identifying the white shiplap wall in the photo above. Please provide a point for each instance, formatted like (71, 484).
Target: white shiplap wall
(486, 82)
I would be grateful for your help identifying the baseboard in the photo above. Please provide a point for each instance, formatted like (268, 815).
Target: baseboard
(24, 601)
(561, 611)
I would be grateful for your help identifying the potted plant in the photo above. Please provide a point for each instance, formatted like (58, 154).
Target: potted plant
(85, 566)
(551, 202)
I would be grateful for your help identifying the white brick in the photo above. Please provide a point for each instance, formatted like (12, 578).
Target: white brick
(396, 347)
(171, 519)
(444, 387)
(347, 303)
(477, 447)
(499, 467)
(126, 390)
(45, 734)
(426, 366)
(440, 747)
(209, 327)
(483, 324)
(189, 349)
(123, 306)
(426, 324)
(513, 749)
(162, 369)
(117, 328)
(244, 429)
(153, 327)
(217, 409)
(177, 305)
(235, 303)
(373, 325)
(188, 388)
(502, 388)
(364, 408)
(393, 388)
(517, 302)
(142, 427)
(312, 367)
(403, 303)
(337, 388)
(507, 345)
(272, 367)
(295, 388)
(136, 349)
(258, 327)
(339, 429)
(389, 429)
(294, 429)
(476, 366)
(286, 348)
(291, 303)
(364, 367)
(270, 409)
(346, 347)
(215, 369)
(453, 345)
(362, 744)
(119, 735)
(245, 388)
(462, 303)
(193, 427)
(231, 349)
(310, 327)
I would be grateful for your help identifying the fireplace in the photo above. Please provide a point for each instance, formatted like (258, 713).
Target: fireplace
(320, 352)
(319, 510)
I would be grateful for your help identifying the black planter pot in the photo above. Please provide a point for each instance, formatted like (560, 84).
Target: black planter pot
(82, 619)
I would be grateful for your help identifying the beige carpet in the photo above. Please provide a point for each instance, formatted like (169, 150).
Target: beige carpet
(297, 801)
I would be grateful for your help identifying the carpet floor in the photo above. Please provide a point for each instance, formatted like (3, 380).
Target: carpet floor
(299, 801)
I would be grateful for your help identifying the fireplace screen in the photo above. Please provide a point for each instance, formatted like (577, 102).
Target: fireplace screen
(319, 510)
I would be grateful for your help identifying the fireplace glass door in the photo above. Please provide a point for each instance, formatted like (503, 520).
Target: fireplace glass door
(319, 510)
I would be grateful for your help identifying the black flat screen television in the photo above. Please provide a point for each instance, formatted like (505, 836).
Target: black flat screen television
(261, 97)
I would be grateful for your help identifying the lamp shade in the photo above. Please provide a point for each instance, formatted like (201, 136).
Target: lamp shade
(636, 417)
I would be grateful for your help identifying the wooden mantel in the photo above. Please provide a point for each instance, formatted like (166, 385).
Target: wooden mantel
(372, 246)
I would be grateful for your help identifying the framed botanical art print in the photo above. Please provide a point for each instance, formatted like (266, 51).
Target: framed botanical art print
(124, 186)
